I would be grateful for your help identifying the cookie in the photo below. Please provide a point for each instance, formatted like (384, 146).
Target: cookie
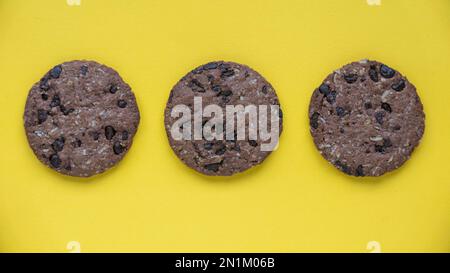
(366, 118)
(80, 118)
(223, 84)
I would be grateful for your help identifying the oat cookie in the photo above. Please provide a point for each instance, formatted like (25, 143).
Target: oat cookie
(220, 83)
(366, 118)
(80, 118)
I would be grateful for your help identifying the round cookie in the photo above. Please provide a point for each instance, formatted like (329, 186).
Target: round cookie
(221, 83)
(366, 118)
(80, 118)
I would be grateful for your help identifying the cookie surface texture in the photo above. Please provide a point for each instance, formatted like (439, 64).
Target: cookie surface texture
(80, 118)
(366, 118)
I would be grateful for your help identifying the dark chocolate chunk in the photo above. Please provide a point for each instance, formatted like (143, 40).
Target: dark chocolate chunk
(343, 167)
(121, 103)
(373, 74)
(55, 161)
(331, 97)
(399, 85)
(84, 70)
(379, 116)
(113, 89)
(109, 132)
(42, 116)
(385, 106)
(56, 101)
(58, 144)
(340, 111)
(359, 170)
(386, 71)
(43, 84)
(118, 148)
(196, 86)
(56, 72)
(125, 135)
(214, 167)
(351, 78)
(314, 120)
(373, 135)
(324, 89)
(211, 65)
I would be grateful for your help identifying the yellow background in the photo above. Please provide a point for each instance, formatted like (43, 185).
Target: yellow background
(295, 201)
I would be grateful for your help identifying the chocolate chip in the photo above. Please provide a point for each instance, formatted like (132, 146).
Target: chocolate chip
(44, 97)
(397, 127)
(324, 89)
(214, 167)
(58, 144)
(386, 71)
(373, 74)
(264, 89)
(56, 72)
(208, 145)
(42, 116)
(84, 70)
(109, 132)
(68, 167)
(399, 85)
(340, 111)
(253, 143)
(379, 117)
(342, 166)
(331, 97)
(359, 171)
(121, 103)
(227, 72)
(118, 148)
(43, 84)
(368, 105)
(211, 65)
(314, 120)
(385, 106)
(196, 86)
(56, 101)
(351, 78)
(113, 89)
(125, 135)
(55, 161)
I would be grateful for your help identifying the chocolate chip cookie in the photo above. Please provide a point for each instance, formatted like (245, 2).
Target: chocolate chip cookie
(80, 118)
(223, 84)
(366, 118)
